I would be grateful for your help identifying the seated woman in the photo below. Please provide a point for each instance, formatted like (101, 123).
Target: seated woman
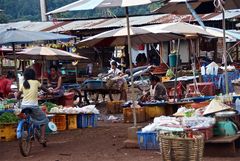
(157, 91)
(55, 82)
(5, 84)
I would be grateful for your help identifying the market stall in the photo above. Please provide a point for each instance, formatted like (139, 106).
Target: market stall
(217, 121)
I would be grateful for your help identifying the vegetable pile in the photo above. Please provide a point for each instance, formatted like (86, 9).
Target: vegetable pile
(49, 105)
(7, 118)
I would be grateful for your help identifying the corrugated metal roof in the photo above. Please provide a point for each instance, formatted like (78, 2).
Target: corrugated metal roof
(61, 26)
(38, 26)
(78, 25)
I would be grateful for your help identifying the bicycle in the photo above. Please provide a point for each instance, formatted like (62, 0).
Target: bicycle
(27, 132)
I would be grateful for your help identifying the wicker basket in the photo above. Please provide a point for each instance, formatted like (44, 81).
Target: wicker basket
(182, 149)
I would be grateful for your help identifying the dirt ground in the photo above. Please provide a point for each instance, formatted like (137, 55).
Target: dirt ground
(102, 143)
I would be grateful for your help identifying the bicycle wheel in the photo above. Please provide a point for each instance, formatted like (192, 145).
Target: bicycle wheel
(25, 142)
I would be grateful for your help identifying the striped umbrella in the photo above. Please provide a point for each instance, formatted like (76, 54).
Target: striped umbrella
(92, 4)
(47, 53)
(139, 35)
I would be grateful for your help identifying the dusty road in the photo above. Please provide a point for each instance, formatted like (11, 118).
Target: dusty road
(103, 143)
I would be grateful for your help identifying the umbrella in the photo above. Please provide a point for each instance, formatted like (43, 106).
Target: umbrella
(191, 30)
(139, 35)
(203, 6)
(14, 36)
(200, 6)
(92, 4)
(47, 54)
(180, 27)
(21, 36)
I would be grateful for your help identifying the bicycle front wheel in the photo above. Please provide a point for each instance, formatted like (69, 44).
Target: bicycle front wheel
(25, 142)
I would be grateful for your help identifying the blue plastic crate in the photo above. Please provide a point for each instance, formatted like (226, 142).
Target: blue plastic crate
(148, 141)
(86, 120)
(92, 120)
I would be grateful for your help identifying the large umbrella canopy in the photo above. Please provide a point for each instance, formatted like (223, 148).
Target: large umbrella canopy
(200, 6)
(179, 27)
(91, 4)
(22, 36)
(47, 53)
(139, 35)
(189, 30)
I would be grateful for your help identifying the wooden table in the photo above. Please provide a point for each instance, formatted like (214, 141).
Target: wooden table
(222, 146)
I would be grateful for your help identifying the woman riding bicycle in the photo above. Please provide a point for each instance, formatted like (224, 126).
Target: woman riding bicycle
(29, 89)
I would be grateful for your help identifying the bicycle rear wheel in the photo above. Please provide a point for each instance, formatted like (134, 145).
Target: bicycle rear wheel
(25, 142)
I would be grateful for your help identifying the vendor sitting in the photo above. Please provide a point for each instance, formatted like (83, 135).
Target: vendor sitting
(5, 84)
(55, 82)
(121, 83)
(157, 91)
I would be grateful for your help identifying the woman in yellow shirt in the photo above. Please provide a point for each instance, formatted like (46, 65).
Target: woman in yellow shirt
(29, 89)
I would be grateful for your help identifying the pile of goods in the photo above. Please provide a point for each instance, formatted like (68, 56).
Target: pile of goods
(75, 110)
(8, 118)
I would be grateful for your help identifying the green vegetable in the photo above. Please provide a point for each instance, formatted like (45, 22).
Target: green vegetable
(170, 73)
(49, 105)
(8, 117)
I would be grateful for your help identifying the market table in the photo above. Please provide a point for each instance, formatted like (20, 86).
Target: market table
(222, 146)
(205, 98)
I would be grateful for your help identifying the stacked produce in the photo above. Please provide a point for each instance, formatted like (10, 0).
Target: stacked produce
(8, 118)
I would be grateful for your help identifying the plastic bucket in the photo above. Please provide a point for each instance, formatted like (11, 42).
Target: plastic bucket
(172, 60)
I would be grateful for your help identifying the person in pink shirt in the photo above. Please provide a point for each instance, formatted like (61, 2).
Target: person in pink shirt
(5, 84)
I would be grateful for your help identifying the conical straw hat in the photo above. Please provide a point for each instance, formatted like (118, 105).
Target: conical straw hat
(215, 106)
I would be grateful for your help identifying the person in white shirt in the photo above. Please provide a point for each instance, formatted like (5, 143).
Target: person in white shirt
(121, 82)
(157, 90)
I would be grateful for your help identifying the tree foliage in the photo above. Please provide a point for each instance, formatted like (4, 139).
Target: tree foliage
(18, 10)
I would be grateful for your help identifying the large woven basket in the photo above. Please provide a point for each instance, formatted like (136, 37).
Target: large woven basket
(182, 149)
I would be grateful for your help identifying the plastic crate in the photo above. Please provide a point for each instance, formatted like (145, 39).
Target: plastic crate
(148, 141)
(114, 107)
(128, 115)
(8, 132)
(72, 121)
(86, 120)
(60, 121)
(154, 111)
